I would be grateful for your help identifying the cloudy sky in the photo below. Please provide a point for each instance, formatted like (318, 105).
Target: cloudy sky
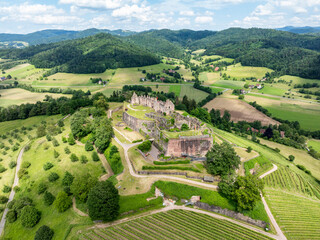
(27, 16)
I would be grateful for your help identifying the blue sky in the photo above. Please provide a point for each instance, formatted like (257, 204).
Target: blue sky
(27, 16)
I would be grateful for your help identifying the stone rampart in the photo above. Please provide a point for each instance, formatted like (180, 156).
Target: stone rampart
(136, 124)
(231, 214)
(192, 146)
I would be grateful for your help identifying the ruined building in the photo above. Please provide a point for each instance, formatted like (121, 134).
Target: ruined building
(147, 101)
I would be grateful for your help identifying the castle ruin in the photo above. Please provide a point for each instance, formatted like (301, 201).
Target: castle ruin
(159, 106)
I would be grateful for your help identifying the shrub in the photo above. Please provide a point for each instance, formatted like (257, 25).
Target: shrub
(17, 189)
(30, 216)
(48, 198)
(53, 177)
(6, 189)
(11, 216)
(3, 199)
(64, 140)
(308, 172)
(303, 168)
(15, 148)
(74, 158)
(103, 202)
(47, 166)
(95, 156)
(171, 162)
(136, 141)
(71, 140)
(25, 164)
(184, 127)
(48, 137)
(44, 233)
(12, 164)
(83, 159)
(2, 169)
(249, 149)
(62, 202)
(67, 179)
(291, 158)
(67, 150)
(22, 172)
(89, 146)
(55, 142)
(277, 150)
(145, 146)
(56, 154)
(42, 188)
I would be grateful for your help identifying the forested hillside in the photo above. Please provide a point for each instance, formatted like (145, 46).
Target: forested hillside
(88, 55)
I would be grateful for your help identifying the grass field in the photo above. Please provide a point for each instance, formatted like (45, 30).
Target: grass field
(297, 80)
(259, 165)
(26, 71)
(17, 96)
(174, 224)
(275, 90)
(237, 71)
(297, 216)
(192, 93)
(228, 84)
(176, 89)
(209, 77)
(315, 144)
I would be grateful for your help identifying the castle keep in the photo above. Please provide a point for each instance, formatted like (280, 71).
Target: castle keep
(165, 128)
(159, 106)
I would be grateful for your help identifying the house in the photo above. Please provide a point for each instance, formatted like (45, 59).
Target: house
(258, 80)
(142, 79)
(212, 66)
(243, 91)
(259, 86)
(264, 79)
(3, 78)
(216, 69)
(282, 134)
(171, 71)
(251, 86)
(262, 131)
(162, 79)
(252, 130)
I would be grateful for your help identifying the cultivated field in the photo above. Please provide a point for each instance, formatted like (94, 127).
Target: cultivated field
(175, 224)
(17, 96)
(239, 110)
(237, 71)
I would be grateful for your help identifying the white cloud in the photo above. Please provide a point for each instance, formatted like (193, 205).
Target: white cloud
(106, 4)
(130, 11)
(204, 19)
(187, 13)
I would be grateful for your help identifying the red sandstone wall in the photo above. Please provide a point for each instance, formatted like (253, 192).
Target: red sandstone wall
(192, 146)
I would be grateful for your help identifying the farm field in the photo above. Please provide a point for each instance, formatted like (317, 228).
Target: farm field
(232, 84)
(209, 78)
(192, 93)
(25, 72)
(297, 216)
(237, 71)
(174, 224)
(315, 144)
(239, 110)
(276, 90)
(16, 96)
(297, 80)
(307, 114)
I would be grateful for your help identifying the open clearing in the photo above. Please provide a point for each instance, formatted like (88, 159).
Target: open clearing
(16, 96)
(239, 110)
(237, 71)
(174, 224)
(315, 144)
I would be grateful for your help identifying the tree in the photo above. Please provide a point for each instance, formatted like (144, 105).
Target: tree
(184, 127)
(247, 191)
(291, 158)
(74, 158)
(222, 159)
(41, 131)
(62, 202)
(53, 177)
(30, 216)
(249, 149)
(3, 199)
(44, 233)
(89, 146)
(268, 133)
(81, 186)
(67, 179)
(95, 156)
(145, 146)
(71, 140)
(48, 198)
(11, 216)
(101, 103)
(103, 202)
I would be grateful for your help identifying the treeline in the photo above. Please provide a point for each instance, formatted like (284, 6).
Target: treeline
(62, 105)
(139, 88)
(211, 95)
(317, 93)
(307, 85)
(93, 54)
(50, 90)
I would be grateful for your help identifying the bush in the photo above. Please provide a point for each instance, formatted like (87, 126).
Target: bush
(55, 142)
(145, 146)
(22, 172)
(48, 137)
(56, 154)
(42, 188)
(136, 141)
(170, 168)
(103, 202)
(291, 158)
(48, 198)
(62, 202)
(64, 140)
(171, 162)
(95, 156)
(277, 150)
(6, 189)
(3, 199)
(74, 158)
(83, 159)
(2, 169)
(53, 177)
(44, 233)
(47, 166)
(30, 216)
(11, 216)
(12, 164)
(71, 140)
(89, 146)
(25, 164)
(67, 179)
(67, 150)
(303, 168)
(17, 189)
(249, 149)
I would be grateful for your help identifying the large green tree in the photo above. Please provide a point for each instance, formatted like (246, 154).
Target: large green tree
(81, 186)
(103, 202)
(222, 159)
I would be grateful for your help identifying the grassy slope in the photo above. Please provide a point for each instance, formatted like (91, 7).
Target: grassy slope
(315, 144)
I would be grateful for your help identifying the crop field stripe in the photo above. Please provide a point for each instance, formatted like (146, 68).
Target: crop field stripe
(137, 233)
(112, 233)
(120, 232)
(93, 236)
(163, 231)
(146, 230)
(207, 220)
(102, 234)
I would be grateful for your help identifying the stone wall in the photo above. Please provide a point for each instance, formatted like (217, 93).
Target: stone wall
(231, 214)
(136, 124)
(192, 146)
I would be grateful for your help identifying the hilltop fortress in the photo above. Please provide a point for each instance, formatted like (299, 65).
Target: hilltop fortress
(160, 122)
(147, 101)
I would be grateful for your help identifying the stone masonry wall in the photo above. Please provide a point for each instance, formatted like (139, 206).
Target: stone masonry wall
(137, 124)
(193, 146)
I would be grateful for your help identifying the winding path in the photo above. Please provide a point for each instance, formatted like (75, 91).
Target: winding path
(12, 193)
(278, 236)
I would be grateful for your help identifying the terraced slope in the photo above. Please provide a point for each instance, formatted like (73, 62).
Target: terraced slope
(297, 216)
(174, 224)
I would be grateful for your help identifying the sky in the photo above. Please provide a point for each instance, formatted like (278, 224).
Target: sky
(137, 15)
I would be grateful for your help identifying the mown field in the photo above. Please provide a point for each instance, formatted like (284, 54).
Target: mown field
(17, 96)
(315, 144)
(237, 71)
(174, 224)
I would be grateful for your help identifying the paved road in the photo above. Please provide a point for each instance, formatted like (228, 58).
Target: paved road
(11, 196)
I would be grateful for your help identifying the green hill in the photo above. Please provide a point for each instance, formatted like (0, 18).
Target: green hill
(92, 54)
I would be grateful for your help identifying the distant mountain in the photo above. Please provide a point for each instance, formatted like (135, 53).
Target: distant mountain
(93, 54)
(300, 30)
(51, 36)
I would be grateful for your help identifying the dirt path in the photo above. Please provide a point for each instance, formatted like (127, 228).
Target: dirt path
(74, 206)
(12, 193)
(122, 134)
